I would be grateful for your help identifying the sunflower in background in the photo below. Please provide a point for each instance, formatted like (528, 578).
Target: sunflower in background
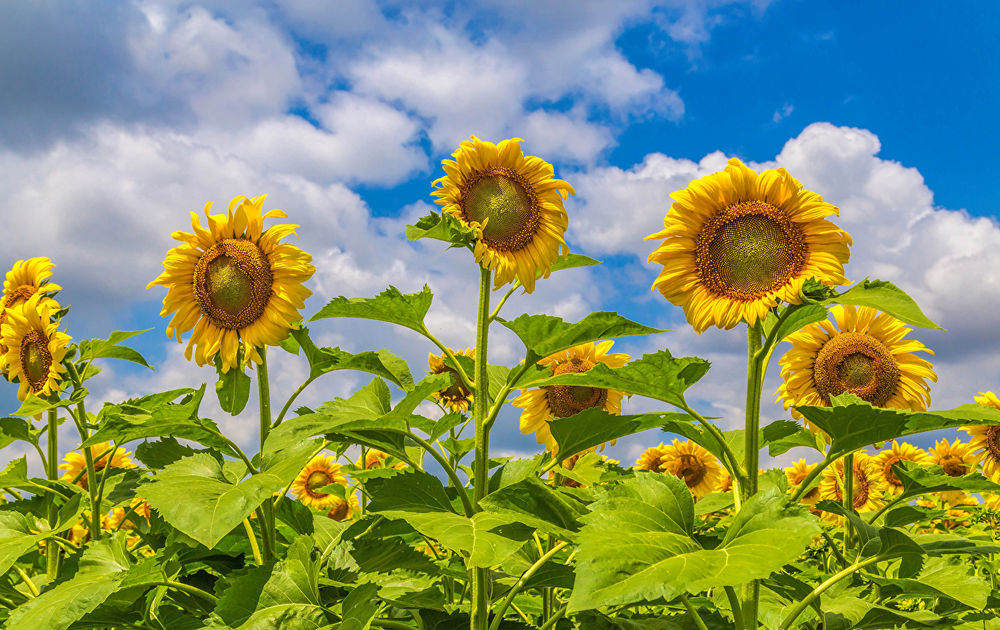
(514, 203)
(562, 401)
(651, 458)
(321, 471)
(34, 347)
(796, 475)
(456, 396)
(234, 283)
(869, 485)
(986, 438)
(343, 509)
(694, 465)
(104, 455)
(375, 458)
(25, 279)
(956, 458)
(736, 242)
(864, 352)
(895, 454)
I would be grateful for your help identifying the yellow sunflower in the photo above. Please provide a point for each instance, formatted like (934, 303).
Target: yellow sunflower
(895, 454)
(651, 458)
(986, 439)
(725, 483)
(570, 463)
(737, 242)
(25, 279)
(562, 401)
(866, 353)
(320, 472)
(234, 283)
(455, 397)
(342, 510)
(34, 347)
(991, 501)
(698, 468)
(375, 458)
(956, 458)
(869, 485)
(796, 475)
(75, 464)
(512, 201)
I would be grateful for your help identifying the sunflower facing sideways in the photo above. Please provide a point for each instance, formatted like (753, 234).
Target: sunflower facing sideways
(956, 458)
(796, 475)
(35, 348)
(895, 454)
(986, 438)
(865, 353)
(25, 279)
(512, 201)
(105, 454)
(321, 471)
(562, 401)
(455, 397)
(234, 283)
(737, 242)
(692, 464)
(869, 485)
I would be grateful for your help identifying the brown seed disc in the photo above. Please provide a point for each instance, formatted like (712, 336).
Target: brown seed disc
(232, 283)
(747, 250)
(689, 468)
(887, 471)
(857, 363)
(339, 511)
(568, 400)
(35, 359)
(993, 442)
(954, 466)
(508, 200)
(316, 480)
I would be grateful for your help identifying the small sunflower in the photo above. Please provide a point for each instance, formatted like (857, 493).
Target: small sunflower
(698, 468)
(895, 454)
(75, 464)
(570, 463)
(796, 475)
(455, 397)
(956, 458)
(512, 201)
(34, 347)
(25, 279)
(869, 485)
(375, 458)
(737, 242)
(234, 283)
(343, 510)
(866, 353)
(562, 401)
(986, 438)
(725, 483)
(651, 458)
(320, 472)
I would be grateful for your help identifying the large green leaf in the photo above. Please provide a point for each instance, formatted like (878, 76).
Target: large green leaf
(442, 226)
(381, 363)
(534, 503)
(12, 429)
(405, 309)
(938, 578)
(919, 480)
(543, 335)
(886, 297)
(659, 375)
(15, 473)
(19, 532)
(796, 316)
(853, 423)
(595, 426)
(637, 545)
(232, 388)
(111, 348)
(359, 608)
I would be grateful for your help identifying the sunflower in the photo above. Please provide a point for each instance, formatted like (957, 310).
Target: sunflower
(234, 283)
(342, 510)
(725, 483)
(737, 242)
(562, 401)
(375, 458)
(869, 485)
(866, 353)
(651, 458)
(698, 468)
(35, 348)
(895, 454)
(512, 201)
(456, 397)
(570, 463)
(25, 279)
(956, 459)
(796, 475)
(991, 501)
(75, 464)
(320, 472)
(986, 438)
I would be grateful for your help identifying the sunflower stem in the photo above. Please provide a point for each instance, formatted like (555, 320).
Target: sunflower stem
(503, 300)
(291, 399)
(480, 602)
(509, 599)
(253, 542)
(52, 471)
(805, 483)
(698, 621)
(459, 371)
(80, 419)
(848, 500)
(448, 470)
(755, 379)
(266, 509)
(816, 592)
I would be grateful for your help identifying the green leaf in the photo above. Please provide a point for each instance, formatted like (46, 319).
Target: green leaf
(443, 227)
(543, 335)
(658, 375)
(164, 451)
(637, 545)
(411, 491)
(381, 363)
(919, 480)
(110, 349)
(798, 317)
(19, 533)
(383, 555)
(941, 578)
(572, 261)
(34, 405)
(781, 436)
(12, 429)
(595, 426)
(361, 604)
(232, 388)
(534, 503)
(886, 297)
(391, 306)
(15, 473)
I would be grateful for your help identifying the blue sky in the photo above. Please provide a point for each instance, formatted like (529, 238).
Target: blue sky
(118, 118)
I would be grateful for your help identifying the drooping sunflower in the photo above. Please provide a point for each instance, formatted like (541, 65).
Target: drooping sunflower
(514, 203)
(320, 472)
(25, 279)
(35, 348)
(342, 510)
(562, 401)
(796, 475)
(956, 459)
(456, 396)
(986, 438)
(651, 458)
(865, 353)
(234, 283)
(737, 242)
(896, 453)
(104, 454)
(694, 465)
(375, 458)
(869, 485)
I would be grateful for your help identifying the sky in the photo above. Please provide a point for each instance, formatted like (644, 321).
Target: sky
(119, 118)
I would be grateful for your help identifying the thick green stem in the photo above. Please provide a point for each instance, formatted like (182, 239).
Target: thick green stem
(498, 617)
(253, 542)
(815, 472)
(266, 509)
(554, 619)
(698, 621)
(816, 592)
(848, 499)
(459, 370)
(479, 617)
(80, 419)
(885, 508)
(52, 471)
(734, 604)
(291, 399)
(755, 382)
(27, 581)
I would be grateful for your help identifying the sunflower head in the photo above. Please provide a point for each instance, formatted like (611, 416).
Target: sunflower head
(956, 459)
(895, 454)
(869, 485)
(651, 458)
(234, 283)
(736, 242)
(375, 458)
(985, 439)
(456, 396)
(864, 352)
(321, 471)
(343, 509)
(105, 454)
(514, 203)
(796, 474)
(562, 401)
(25, 279)
(35, 348)
(694, 465)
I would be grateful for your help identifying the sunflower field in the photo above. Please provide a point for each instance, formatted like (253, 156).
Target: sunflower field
(364, 512)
